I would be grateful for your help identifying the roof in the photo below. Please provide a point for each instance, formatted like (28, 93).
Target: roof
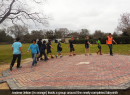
(69, 36)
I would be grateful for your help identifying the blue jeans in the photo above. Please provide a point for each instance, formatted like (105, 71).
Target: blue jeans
(110, 47)
(34, 59)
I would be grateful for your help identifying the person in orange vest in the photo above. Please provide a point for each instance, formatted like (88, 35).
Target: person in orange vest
(109, 43)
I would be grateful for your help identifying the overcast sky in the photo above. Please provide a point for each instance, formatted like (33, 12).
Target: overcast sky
(91, 14)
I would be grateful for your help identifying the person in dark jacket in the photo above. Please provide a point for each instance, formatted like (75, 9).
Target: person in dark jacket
(42, 51)
(59, 49)
(39, 45)
(49, 46)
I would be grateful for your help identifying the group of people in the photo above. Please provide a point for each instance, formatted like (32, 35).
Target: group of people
(39, 49)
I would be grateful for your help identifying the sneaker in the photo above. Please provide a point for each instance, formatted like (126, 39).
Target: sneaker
(101, 54)
(56, 56)
(10, 67)
(32, 66)
(47, 58)
(52, 57)
(97, 53)
(60, 56)
(41, 59)
(19, 67)
(74, 54)
(70, 55)
(37, 59)
(86, 55)
(90, 54)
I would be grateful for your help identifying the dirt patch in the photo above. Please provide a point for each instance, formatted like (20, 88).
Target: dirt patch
(4, 67)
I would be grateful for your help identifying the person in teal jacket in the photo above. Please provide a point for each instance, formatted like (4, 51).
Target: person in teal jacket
(34, 48)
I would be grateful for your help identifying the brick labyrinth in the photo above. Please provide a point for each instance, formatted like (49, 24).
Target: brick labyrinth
(76, 72)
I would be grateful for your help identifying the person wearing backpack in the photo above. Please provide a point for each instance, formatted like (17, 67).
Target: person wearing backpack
(49, 49)
(59, 49)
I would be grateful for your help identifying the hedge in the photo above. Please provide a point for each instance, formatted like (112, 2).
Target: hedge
(119, 40)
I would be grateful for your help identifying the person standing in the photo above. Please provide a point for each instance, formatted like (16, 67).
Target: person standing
(59, 49)
(99, 45)
(42, 51)
(71, 45)
(87, 45)
(49, 46)
(109, 43)
(34, 48)
(39, 45)
(17, 52)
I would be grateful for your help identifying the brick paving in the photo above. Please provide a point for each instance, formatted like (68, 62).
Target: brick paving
(75, 72)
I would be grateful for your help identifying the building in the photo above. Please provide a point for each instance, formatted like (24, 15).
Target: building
(67, 38)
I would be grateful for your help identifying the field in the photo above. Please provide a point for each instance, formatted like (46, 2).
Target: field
(6, 50)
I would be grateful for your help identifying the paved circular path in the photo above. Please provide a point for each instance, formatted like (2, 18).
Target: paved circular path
(75, 72)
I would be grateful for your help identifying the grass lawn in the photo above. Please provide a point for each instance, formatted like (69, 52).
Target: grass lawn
(6, 50)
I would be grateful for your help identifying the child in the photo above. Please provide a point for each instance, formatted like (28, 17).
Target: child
(99, 45)
(71, 45)
(39, 43)
(87, 45)
(59, 49)
(42, 51)
(49, 49)
(34, 48)
(17, 52)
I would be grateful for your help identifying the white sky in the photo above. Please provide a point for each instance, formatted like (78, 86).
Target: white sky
(91, 14)
(79, 14)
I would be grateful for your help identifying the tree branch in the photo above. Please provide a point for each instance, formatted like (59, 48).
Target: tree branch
(8, 13)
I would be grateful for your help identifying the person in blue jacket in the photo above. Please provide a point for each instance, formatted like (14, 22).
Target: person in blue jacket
(42, 51)
(34, 48)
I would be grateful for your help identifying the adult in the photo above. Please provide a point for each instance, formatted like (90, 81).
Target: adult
(34, 48)
(109, 43)
(71, 45)
(17, 52)
(39, 45)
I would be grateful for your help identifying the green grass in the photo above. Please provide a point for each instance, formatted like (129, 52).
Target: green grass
(6, 50)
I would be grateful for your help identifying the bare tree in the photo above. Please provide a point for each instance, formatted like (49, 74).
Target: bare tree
(61, 32)
(98, 34)
(58, 34)
(50, 34)
(84, 33)
(115, 34)
(37, 34)
(17, 30)
(124, 23)
(74, 34)
(20, 11)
